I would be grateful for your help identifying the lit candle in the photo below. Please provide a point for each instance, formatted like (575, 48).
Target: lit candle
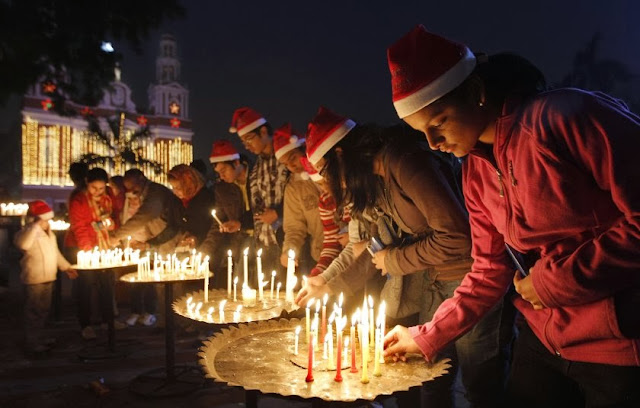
(376, 352)
(324, 347)
(340, 300)
(382, 316)
(354, 320)
(308, 318)
(365, 351)
(331, 364)
(371, 322)
(273, 278)
(235, 287)
(209, 313)
(236, 314)
(339, 326)
(345, 352)
(278, 290)
(206, 278)
(310, 363)
(259, 268)
(128, 241)
(289, 282)
(198, 307)
(213, 214)
(221, 309)
(246, 266)
(324, 315)
(248, 296)
(295, 344)
(229, 272)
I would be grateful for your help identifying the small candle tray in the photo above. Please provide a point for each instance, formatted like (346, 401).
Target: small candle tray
(263, 310)
(163, 278)
(258, 356)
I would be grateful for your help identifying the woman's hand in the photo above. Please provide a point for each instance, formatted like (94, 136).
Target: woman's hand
(378, 260)
(230, 226)
(398, 342)
(268, 216)
(316, 287)
(524, 286)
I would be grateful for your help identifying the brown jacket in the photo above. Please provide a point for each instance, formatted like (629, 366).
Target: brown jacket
(421, 195)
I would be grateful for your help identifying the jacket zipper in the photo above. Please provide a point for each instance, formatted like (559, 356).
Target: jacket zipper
(499, 173)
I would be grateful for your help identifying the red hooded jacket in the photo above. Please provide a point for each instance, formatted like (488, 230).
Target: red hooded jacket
(561, 180)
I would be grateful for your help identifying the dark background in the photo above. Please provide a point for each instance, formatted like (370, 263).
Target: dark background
(285, 58)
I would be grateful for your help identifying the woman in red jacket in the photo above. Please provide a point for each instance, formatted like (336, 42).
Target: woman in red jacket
(91, 217)
(549, 173)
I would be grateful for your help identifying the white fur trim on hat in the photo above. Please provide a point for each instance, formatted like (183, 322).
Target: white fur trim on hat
(331, 141)
(316, 177)
(225, 158)
(251, 126)
(436, 89)
(288, 147)
(46, 216)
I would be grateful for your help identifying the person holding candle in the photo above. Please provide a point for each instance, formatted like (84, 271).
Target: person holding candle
(91, 218)
(301, 219)
(232, 208)
(414, 195)
(546, 172)
(267, 180)
(39, 266)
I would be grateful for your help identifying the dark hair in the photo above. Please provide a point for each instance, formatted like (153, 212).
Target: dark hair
(199, 165)
(503, 75)
(118, 181)
(359, 148)
(97, 174)
(133, 174)
(78, 172)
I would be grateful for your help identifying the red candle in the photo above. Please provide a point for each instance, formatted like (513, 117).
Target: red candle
(354, 369)
(310, 370)
(339, 327)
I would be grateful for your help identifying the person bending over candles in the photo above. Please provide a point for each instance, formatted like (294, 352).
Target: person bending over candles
(549, 172)
(422, 221)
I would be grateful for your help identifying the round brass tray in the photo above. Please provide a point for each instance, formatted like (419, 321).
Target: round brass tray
(259, 356)
(268, 309)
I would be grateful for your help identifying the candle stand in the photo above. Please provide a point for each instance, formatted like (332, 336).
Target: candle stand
(108, 351)
(171, 380)
(259, 357)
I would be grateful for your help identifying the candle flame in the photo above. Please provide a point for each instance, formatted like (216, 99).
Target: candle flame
(210, 310)
(235, 280)
(273, 273)
(370, 301)
(222, 303)
(325, 298)
(279, 284)
(259, 252)
(246, 251)
(213, 213)
(292, 254)
(317, 305)
(229, 252)
(239, 309)
(309, 303)
(297, 330)
(340, 299)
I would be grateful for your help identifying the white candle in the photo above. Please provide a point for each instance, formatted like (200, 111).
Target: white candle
(213, 214)
(206, 279)
(289, 282)
(248, 296)
(278, 290)
(229, 272)
(325, 347)
(273, 278)
(295, 345)
(376, 352)
(371, 321)
(221, 310)
(259, 266)
(382, 316)
(209, 313)
(246, 266)
(235, 287)
(128, 241)
(236, 314)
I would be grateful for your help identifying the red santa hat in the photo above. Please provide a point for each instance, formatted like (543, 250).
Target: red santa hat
(284, 141)
(309, 172)
(245, 120)
(222, 151)
(40, 209)
(324, 132)
(424, 67)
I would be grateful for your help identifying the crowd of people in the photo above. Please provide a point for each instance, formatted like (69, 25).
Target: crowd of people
(519, 196)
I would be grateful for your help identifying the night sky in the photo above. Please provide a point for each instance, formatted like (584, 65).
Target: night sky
(286, 58)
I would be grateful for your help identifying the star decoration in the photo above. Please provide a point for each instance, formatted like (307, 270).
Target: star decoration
(49, 87)
(175, 123)
(142, 121)
(46, 104)
(174, 108)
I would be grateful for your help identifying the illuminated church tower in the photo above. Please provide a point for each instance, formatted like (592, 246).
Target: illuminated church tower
(50, 143)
